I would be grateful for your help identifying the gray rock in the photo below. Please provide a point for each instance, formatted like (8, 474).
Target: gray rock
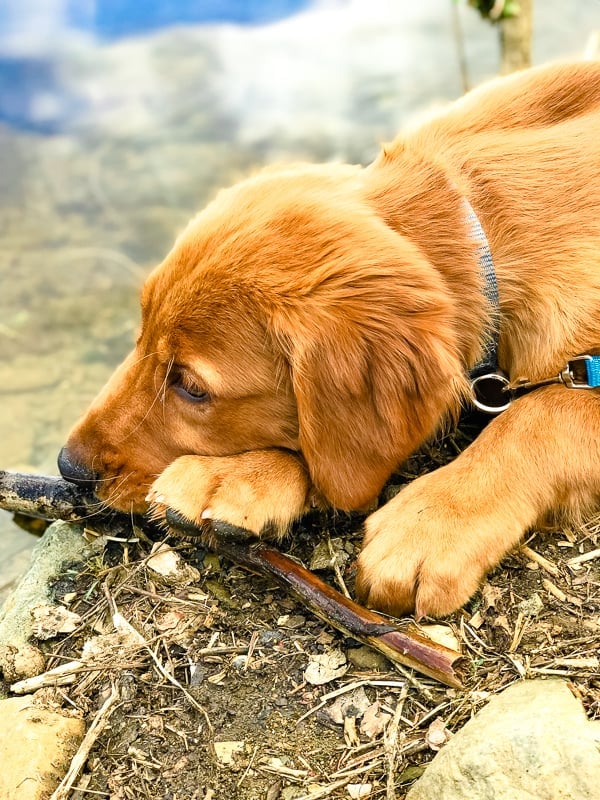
(532, 742)
(60, 545)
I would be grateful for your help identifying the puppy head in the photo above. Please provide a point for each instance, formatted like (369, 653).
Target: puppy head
(202, 379)
(288, 315)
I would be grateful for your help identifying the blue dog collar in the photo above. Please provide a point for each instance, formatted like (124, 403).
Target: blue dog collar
(492, 390)
(592, 368)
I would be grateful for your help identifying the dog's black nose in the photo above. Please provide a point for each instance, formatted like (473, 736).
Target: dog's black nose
(74, 471)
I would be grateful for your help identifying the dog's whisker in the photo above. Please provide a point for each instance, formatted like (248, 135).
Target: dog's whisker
(144, 357)
(152, 404)
(164, 390)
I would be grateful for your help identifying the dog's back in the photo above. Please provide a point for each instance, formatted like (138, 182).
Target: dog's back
(535, 98)
(526, 152)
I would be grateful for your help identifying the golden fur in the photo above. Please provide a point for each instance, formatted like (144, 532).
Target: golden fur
(315, 324)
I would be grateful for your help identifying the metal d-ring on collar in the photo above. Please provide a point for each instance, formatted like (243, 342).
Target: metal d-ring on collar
(492, 390)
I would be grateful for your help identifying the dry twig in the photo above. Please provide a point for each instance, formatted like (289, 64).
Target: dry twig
(559, 594)
(577, 560)
(540, 560)
(390, 744)
(81, 756)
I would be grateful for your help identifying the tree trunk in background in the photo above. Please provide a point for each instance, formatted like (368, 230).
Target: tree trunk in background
(515, 39)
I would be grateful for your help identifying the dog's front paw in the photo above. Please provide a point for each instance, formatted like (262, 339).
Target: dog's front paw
(262, 491)
(427, 551)
(398, 575)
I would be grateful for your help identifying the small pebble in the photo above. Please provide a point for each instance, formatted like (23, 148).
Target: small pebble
(269, 637)
(367, 659)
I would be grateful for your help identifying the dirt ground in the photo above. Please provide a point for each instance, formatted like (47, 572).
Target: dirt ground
(202, 692)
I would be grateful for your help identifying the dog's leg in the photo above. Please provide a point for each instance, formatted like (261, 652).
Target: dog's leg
(260, 490)
(429, 548)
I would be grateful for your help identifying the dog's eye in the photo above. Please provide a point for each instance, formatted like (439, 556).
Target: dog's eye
(189, 390)
(193, 395)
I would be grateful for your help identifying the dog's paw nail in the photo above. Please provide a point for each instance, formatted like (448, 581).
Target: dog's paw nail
(206, 514)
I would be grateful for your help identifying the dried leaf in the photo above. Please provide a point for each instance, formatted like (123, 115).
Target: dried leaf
(325, 637)
(218, 677)
(167, 564)
(169, 620)
(111, 647)
(490, 596)
(325, 667)
(374, 721)
(441, 634)
(292, 622)
(351, 704)
(226, 751)
(49, 621)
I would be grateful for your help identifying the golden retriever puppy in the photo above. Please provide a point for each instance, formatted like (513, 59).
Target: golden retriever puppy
(315, 324)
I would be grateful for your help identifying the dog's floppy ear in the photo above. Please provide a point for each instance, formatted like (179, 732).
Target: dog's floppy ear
(374, 364)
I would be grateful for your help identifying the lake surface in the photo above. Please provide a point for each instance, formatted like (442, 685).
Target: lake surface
(108, 146)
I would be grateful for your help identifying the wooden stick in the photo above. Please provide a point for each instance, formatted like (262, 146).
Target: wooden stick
(50, 497)
(404, 645)
(63, 675)
(53, 498)
(42, 496)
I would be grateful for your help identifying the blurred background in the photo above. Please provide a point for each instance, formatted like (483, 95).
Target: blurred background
(120, 119)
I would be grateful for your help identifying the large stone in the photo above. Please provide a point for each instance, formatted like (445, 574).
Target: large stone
(60, 545)
(36, 747)
(532, 742)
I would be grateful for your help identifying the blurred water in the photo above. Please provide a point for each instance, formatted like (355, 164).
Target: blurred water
(114, 18)
(108, 146)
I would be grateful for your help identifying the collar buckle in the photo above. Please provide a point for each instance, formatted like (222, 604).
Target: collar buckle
(579, 373)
